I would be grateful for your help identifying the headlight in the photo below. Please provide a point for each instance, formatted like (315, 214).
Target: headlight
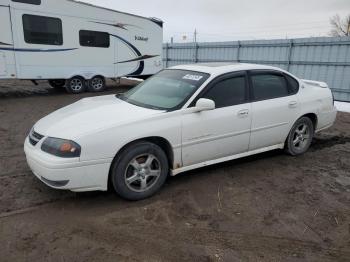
(61, 147)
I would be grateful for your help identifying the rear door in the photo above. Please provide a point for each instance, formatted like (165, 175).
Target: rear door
(275, 108)
(7, 60)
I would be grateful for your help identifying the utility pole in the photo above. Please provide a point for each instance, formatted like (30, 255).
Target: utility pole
(195, 46)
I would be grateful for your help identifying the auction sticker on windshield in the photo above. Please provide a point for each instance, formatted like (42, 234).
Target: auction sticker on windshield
(193, 77)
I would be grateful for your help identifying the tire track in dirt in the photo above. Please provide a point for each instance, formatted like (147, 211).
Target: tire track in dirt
(323, 142)
(191, 237)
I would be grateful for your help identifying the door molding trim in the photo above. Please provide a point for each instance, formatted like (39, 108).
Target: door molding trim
(225, 159)
(206, 138)
(269, 127)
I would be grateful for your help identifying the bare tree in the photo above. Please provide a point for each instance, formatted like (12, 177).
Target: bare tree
(340, 27)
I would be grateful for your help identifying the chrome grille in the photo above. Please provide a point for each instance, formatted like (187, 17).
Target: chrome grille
(34, 138)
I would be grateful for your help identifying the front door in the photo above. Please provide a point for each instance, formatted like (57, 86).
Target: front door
(222, 132)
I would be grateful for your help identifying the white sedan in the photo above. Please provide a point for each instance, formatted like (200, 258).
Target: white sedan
(183, 118)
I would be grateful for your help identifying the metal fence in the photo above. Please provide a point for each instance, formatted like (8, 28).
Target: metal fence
(324, 59)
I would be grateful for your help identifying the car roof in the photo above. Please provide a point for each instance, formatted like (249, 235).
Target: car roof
(222, 68)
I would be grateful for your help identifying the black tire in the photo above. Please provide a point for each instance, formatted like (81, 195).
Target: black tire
(127, 180)
(97, 84)
(57, 83)
(76, 85)
(300, 137)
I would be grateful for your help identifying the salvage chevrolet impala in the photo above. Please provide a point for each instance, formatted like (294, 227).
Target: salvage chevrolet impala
(181, 119)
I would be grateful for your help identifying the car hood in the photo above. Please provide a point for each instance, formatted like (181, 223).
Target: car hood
(89, 115)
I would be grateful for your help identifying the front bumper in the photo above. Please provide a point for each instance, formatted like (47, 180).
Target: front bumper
(67, 174)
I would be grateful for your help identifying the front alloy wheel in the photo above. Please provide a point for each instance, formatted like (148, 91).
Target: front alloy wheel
(139, 171)
(142, 173)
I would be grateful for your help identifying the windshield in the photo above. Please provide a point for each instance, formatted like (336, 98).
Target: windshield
(167, 90)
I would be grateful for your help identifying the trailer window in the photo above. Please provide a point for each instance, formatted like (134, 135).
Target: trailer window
(94, 39)
(42, 30)
(32, 2)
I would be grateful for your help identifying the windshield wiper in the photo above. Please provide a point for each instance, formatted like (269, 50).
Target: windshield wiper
(122, 97)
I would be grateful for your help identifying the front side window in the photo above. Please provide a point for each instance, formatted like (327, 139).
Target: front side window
(269, 86)
(228, 92)
(94, 39)
(167, 90)
(42, 30)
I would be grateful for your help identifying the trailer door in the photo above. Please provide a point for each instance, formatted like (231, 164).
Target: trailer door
(7, 60)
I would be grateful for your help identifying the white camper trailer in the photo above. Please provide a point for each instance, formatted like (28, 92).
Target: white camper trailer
(76, 44)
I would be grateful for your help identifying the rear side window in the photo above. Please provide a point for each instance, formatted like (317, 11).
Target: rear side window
(94, 39)
(269, 86)
(32, 2)
(42, 30)
(292, 84)
(228, 92)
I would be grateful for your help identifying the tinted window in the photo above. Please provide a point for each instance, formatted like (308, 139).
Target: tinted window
(94, 39)
(42, 30)
(268, 86)
(32, 2)
(228, 92)
(292, 84)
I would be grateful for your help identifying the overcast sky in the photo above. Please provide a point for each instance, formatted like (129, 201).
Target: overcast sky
(225, 20)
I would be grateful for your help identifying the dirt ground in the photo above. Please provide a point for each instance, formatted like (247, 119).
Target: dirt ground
(270, 207)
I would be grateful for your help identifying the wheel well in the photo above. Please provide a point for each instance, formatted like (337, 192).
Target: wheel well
(77, 76)
(313, 118)
(98, 76)
(61, 79)
(159, 141)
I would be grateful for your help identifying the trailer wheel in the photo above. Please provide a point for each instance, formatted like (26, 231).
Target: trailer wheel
(76, 85)
(97, 84)
(57, 83)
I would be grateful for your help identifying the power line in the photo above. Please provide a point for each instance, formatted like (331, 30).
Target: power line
(260, 33)
(215, 38)
(245, 31)
(280, 26)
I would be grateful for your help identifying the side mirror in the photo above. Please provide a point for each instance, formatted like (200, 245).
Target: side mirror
(204, 104)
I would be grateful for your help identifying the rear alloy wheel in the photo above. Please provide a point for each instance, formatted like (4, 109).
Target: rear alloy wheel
(300, 137)
(76, 85)
(140, 171)
(97, 84)
(57, 83)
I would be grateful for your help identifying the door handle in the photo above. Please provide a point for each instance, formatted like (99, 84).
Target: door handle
(293, 104)
(243, 113)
